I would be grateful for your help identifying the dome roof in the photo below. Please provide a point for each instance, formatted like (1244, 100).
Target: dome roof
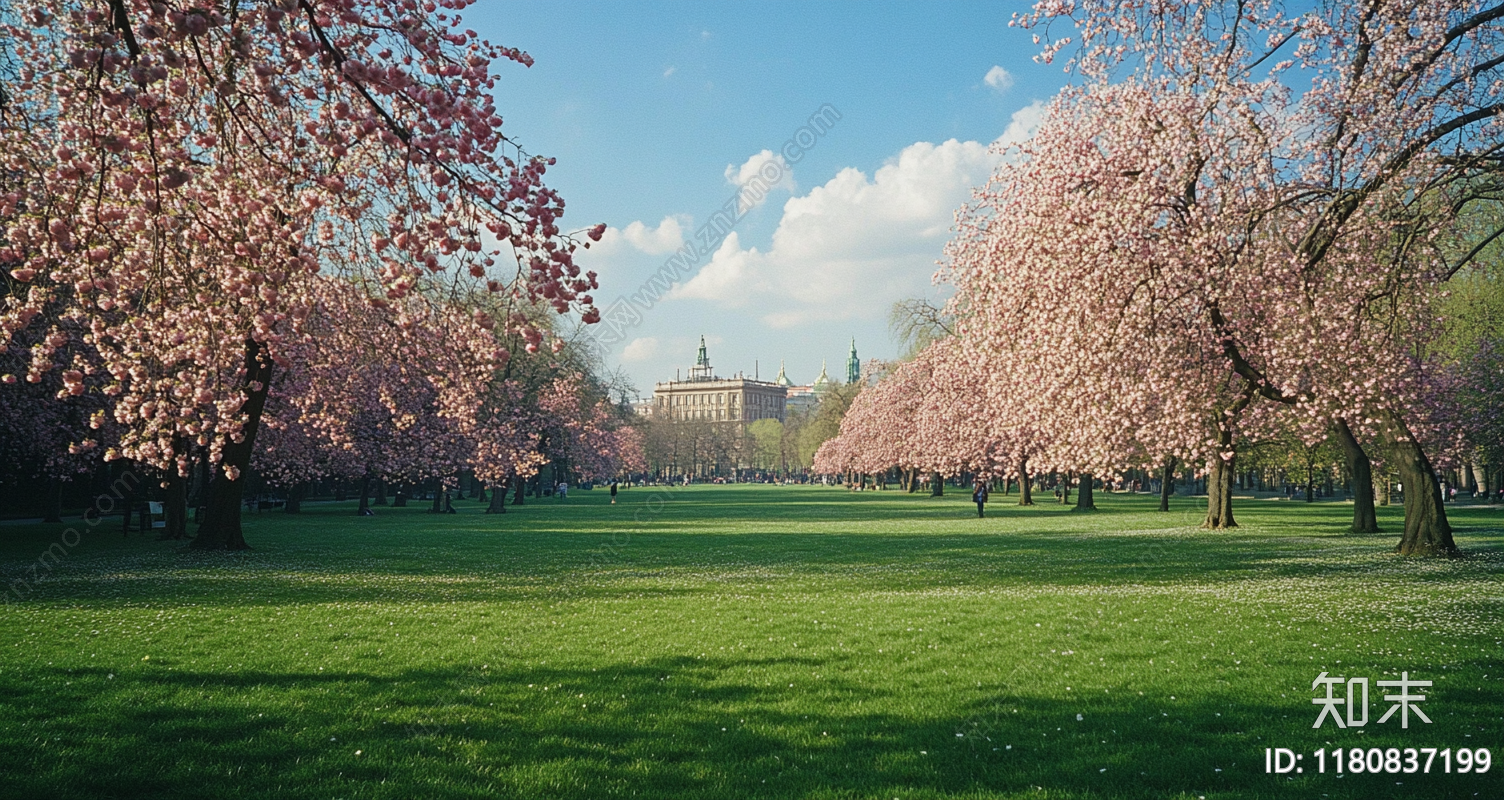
(783, 378)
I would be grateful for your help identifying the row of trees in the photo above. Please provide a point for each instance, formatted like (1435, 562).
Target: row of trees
(288, 236)
(1242, 225)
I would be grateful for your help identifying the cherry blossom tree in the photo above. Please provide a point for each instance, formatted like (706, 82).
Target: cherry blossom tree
(46, 430)
(183, 171)
(1198, 236)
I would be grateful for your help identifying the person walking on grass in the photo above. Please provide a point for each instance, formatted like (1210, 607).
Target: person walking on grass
(613, 492)
(979, 495)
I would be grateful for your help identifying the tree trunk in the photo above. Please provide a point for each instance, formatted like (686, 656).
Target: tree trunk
(1085, 499)
(937, 485)
(1365, 519)
(1025, 485)
(1167, 485)
(1219, 493)
(480, 490)
(498, 498)
(221, 526)
(363, 508)
(438, 499)
(1427, 530)
(174, 506)
(1219, 469)
(399, 500)
(1310, 482)
(517, 496)
(913, 480)
(205, 477)
(128, 501)
(380, 499)
(295, 495)
(54, 510)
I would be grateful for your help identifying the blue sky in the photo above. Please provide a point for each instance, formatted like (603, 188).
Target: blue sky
(651, 113)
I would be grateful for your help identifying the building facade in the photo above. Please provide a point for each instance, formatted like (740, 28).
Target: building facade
(709, 398)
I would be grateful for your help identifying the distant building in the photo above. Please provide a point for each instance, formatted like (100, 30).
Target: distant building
(800, 398)
(708, 397)
(705, 396)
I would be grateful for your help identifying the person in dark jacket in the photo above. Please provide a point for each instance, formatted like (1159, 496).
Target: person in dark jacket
(979, 495)
(613, 492)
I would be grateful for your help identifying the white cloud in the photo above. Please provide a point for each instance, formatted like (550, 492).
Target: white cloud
(667, 237)
(640, 349)
(851, 247)
(1022, 125)
(670, 71)
(999, 79)
(758, 176)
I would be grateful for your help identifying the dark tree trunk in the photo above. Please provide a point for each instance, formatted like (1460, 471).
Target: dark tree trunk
(205, 477)
(1085, 500)
(1219, 493)
(498, 498)
(517, 495)
(480, 490)
(1025, 485)
(1220, 470)
(1365, 519)
(380, 499)
(54, 510)
(363, 508)
(128, 501)
(174, 506)
(1310, 482)
(1065, 489)
(295, 495)
(1166, 485)
(937, 485)
(1427, 530)
(438, 498)
(221, 526)
(400, 499)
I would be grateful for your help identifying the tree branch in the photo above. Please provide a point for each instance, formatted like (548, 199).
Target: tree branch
(1455, 268)
(121, 21)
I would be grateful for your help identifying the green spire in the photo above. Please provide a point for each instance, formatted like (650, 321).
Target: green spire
(853, 365)
(703, 360)
(783, 378)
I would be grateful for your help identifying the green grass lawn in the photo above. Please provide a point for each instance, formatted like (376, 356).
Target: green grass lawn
(741, 642)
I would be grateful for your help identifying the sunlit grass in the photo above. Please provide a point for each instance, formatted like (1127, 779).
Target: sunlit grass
(740, 642)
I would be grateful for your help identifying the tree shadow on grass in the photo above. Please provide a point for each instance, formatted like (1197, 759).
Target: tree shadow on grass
(667, 728)
(439, 559)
